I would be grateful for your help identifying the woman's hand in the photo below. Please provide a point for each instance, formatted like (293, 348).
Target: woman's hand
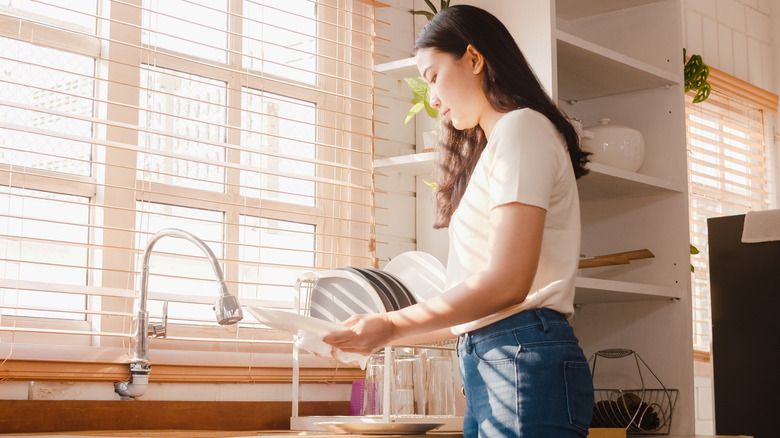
(364, 334)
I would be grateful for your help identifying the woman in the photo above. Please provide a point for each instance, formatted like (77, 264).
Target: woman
(508, 194)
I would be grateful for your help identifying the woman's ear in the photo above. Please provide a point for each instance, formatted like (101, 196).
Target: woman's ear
(475, 58)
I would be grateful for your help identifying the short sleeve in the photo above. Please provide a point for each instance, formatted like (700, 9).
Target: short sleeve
(524, 160)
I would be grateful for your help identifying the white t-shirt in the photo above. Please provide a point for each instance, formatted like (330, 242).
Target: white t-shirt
(525, 161)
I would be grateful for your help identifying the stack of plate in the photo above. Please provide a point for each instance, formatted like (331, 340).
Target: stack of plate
(393, 293)
(340, 293)
(337, 294)
(407, 279)
(422, 274)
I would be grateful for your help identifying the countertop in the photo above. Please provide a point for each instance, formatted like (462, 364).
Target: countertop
(218, 434)
(269, 434)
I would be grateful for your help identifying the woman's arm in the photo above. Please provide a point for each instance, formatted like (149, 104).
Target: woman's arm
(442, 334)
(515, 239)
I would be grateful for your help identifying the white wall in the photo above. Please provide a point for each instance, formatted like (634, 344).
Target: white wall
(741, 38)
(734, 36)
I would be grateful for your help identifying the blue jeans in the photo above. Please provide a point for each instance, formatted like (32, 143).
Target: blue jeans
(525, 376)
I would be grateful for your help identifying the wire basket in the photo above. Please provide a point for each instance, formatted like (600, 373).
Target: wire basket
(643, 411)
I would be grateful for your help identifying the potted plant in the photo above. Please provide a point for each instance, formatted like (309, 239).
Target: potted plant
(696, 73)
(429, 15)
(421, 99)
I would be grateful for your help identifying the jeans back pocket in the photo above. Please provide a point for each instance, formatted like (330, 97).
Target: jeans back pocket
(579, 393)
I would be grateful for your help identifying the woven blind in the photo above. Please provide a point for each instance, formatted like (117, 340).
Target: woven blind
(247, 123)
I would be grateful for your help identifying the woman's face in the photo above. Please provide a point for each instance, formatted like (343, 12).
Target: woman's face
(456, 85)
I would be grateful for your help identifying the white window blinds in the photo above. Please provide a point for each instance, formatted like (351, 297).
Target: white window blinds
(245, 122)
(728, 174)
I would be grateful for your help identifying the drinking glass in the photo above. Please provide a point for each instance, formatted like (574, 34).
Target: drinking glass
(375, 383)
(406, 380)
(441, 386)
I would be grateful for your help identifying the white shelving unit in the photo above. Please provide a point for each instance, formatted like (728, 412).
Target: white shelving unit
(606, 181)
(399, 69)
(620, 59)
(587, 70)
(602, 181)
(411, 164)
(594, 290)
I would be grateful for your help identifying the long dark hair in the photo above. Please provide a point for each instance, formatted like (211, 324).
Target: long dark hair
(509, 84)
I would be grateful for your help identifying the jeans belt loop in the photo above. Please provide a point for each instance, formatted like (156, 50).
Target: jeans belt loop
(467, 342)
(542, 319)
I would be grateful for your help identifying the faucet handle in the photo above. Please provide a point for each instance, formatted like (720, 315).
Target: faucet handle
(159, 330)
(156, 330)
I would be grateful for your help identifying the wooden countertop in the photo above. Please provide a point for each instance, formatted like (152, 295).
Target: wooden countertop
(267, 434)
(218, 434)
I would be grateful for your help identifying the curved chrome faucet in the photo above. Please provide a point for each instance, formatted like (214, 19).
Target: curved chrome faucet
(227, 309)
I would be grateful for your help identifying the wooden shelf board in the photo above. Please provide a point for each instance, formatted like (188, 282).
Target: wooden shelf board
(595, 290)
(587, 71)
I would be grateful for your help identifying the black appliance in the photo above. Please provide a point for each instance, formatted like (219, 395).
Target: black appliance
(745, 298)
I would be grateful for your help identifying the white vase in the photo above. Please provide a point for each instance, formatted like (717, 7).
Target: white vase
(614, 145)
(430, 139)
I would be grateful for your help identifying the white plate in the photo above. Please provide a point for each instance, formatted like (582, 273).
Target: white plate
(395, 427)
(293, 322)
(338, 294)
(422, 273)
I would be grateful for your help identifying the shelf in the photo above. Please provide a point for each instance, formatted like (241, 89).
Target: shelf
(413, 164)
(594, 290)
(587, 70)
(402, 68)
(602, 181)
(606, 182)
(574, 9)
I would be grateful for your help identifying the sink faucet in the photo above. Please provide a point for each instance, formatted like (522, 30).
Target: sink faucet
(227, 309)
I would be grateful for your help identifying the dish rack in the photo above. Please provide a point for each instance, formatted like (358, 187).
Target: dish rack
(645, 411)
(303, 291)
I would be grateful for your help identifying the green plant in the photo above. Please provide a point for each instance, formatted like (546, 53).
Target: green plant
(694, 251)
(421, 99)
(696, 73)
(429, 15)
(433, 185)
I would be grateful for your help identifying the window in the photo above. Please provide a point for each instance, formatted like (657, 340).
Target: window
(728, 173)
(245, 122)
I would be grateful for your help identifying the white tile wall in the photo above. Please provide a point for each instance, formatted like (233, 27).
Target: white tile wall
(735, 36)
